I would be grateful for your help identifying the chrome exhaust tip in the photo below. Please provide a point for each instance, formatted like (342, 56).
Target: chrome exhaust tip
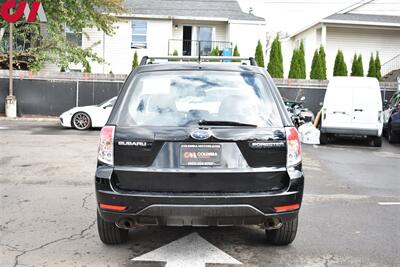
(273, 224)
(126, 223)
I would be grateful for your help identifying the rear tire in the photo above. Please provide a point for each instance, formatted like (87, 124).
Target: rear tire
(376, 141)
(323, 139)
(109, 233)
(284, 235)
(392, 138)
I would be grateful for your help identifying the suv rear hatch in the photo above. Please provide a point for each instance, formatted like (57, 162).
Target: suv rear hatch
(231, 160)
(198, 131)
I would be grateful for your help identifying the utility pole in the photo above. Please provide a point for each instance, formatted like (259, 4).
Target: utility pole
(11, 100)
(11, 88)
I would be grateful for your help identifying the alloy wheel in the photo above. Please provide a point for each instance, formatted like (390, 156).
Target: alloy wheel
(81, 121)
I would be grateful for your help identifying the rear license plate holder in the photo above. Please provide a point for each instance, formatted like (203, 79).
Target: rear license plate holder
(197, 154)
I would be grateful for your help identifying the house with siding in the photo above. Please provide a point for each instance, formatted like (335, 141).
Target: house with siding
(162, 27)
(364, 28)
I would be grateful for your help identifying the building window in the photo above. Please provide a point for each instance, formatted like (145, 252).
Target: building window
(205, 38)
(139, 34)
(73, 37)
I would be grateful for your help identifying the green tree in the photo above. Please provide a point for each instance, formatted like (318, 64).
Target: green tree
(354, 66)
(340, 68)
(322, 63)
(275, 64)
(357, 68)
(259, 56)
(378, 67)
(135, 62)
(295, 68)
(316, 66)
(236, 53)
(302, 61)
(360, 65)
(51, 45)
(372, 67)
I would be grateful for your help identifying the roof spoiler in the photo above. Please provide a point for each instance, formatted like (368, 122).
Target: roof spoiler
(148, 60)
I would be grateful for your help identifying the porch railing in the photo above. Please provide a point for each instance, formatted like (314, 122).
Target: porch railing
(391, 65)
(195, 47)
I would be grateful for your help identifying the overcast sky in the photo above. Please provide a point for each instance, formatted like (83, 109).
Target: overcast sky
(292, 15)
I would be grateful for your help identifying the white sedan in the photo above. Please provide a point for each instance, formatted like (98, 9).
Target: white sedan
(84, 118)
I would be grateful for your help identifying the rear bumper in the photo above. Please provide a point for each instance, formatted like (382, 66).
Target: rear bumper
(201, 210)
(350, 131)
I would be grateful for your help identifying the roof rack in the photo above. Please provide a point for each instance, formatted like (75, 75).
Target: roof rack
(148, 60)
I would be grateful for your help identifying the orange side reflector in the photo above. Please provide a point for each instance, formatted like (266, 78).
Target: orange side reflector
(112, 207)
(287, 208)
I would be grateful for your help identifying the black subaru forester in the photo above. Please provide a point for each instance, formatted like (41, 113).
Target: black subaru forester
(199, 144)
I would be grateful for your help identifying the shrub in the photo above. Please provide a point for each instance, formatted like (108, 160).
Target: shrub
(315, 66)
(378, 67)
(302, 61)
(175, 54)
(354, 66)
(295, 68)
(259, 56)
(340, 68)
(236, 53)
(360, 65)
(297, 65)
(357, 68)
(275, 64)
(372, 67)
(87, 68)
(215, 52)
(135, 62)
(322, 58)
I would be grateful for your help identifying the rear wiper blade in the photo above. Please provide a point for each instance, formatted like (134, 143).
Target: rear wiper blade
(225, 123)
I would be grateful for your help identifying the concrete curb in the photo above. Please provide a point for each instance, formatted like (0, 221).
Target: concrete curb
(36, 119)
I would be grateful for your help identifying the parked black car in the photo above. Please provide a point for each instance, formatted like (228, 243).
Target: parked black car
(391, 124)
(199, 144)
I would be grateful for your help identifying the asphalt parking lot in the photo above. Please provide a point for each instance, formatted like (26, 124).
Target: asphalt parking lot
(48, 209)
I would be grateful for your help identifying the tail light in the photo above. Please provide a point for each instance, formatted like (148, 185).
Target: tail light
(293, 147)
(106, 146)
(112, 207)
(287, 208)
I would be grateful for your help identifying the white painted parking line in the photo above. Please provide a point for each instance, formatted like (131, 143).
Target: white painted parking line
(191, 250)
(3, 128)
(388, 203)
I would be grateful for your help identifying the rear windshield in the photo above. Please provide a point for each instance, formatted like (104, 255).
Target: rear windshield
(172, 98)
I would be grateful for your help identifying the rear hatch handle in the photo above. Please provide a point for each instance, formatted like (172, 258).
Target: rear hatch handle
(358, 109)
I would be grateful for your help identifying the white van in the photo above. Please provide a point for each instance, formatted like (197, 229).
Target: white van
(352, 106)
